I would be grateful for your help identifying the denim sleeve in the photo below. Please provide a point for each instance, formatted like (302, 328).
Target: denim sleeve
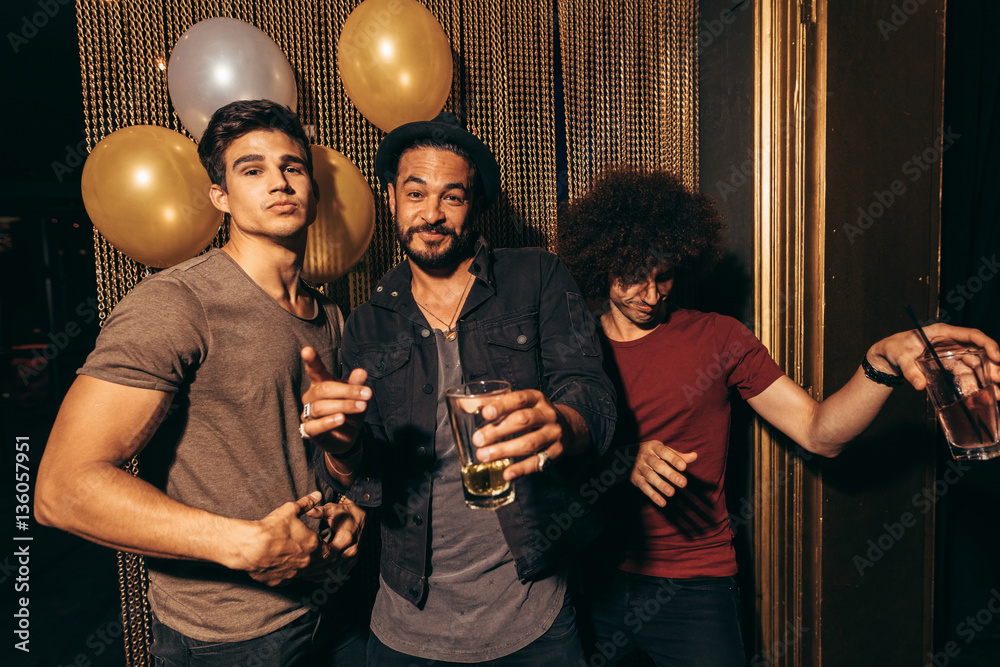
(366, 490)
(571, 354)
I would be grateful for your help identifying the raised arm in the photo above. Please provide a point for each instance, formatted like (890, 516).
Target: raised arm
(82, 489)
(826, 428)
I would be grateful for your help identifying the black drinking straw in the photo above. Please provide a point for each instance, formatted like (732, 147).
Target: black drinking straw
(952, 386)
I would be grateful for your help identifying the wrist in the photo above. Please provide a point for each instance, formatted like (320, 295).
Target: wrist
(875, 371)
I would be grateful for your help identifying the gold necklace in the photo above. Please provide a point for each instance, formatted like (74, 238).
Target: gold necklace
(450, 333)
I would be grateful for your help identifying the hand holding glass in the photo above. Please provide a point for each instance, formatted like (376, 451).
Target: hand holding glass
(960, 387)
(483, 483)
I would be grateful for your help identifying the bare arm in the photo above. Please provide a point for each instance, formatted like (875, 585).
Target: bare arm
(826, 428)
(82, 489)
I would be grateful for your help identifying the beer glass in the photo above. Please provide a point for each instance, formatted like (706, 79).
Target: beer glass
(483, 483)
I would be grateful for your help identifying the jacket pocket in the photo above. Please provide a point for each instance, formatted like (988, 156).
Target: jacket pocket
(513, 350)
(384, 359)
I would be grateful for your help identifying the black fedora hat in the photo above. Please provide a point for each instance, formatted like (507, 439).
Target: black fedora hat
(445, 128)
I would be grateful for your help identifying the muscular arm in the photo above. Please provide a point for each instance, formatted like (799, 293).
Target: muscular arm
(82, 489)
(826, 428)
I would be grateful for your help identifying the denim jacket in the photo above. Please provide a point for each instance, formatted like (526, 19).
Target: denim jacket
(524, 321)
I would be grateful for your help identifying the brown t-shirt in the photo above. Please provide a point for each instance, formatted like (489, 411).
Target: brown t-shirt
(204, 331)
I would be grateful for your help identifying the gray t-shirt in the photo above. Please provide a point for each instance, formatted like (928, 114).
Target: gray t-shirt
(204, 331)
(476, 608)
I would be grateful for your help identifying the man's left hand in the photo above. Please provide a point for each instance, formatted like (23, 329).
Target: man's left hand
(338, 553)
(539, 432)
(899, 353)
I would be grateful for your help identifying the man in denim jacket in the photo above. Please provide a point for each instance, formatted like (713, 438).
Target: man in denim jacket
(461, 585)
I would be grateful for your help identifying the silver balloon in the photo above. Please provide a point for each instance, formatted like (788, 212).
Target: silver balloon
(221, 60)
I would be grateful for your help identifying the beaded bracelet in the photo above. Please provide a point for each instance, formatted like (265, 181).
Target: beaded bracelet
(875, 375)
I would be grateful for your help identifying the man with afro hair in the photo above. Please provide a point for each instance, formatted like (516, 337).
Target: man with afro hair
(625, 240)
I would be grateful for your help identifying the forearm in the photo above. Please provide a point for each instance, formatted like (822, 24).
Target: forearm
(845, 415)
(107, 505)
(344, 469)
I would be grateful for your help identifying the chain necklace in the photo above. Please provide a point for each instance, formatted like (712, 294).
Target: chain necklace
(450, 333)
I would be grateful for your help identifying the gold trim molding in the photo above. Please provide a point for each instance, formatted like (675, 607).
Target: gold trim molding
(789, 117)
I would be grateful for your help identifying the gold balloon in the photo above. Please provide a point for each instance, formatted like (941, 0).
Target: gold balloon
(395, 62)
(147, 193)
(345, 217)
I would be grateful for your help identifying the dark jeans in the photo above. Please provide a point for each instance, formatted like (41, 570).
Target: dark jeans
(560, 645)
(305, 642)
(684, 622)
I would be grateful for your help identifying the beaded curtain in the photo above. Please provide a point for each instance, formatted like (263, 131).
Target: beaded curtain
(558, 90)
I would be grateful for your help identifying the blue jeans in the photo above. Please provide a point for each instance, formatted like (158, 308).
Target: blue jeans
(674, 621)
(560, 645)
(305, 642)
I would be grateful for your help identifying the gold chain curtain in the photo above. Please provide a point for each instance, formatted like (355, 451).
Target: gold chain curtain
(629, 71)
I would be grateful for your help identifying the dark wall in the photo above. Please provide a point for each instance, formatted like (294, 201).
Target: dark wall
(882, 226)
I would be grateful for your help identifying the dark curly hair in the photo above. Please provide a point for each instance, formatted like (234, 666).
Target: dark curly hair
(236, 119)
(630, 221)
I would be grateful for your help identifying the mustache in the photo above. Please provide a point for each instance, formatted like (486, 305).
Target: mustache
(430, 227)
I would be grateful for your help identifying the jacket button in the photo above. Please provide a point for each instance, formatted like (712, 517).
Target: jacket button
(414, 592)
(428, 389)
(522, 339)
(367, 480)
(421, 451)
(378, 289)
(379, 366)
(425, 333)
(417, 521)
(368, 496)
(394, 294)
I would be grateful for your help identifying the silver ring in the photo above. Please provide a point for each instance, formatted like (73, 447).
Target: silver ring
(543, 459)
(302, 432)
(306, 411)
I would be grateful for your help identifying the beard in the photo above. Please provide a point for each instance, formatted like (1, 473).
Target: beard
(443, 254)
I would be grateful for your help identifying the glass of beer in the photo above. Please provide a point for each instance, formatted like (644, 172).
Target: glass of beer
(959, 385)
(483, 483)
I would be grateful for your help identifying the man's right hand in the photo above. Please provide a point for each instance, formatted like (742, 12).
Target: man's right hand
(657, 470)
(278, 546)
(336, 409)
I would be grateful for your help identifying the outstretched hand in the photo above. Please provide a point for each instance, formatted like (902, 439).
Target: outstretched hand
(658, 469)
(899, 353)
(336, 409)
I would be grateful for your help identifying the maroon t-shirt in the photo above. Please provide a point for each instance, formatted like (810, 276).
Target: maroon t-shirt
(676, 381)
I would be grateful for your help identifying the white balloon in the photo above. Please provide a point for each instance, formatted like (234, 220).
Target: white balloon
(221, 60)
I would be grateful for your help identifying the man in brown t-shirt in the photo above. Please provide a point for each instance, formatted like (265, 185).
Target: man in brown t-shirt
(201, 366)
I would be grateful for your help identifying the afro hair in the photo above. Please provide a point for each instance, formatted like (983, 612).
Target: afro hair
(631, 221)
